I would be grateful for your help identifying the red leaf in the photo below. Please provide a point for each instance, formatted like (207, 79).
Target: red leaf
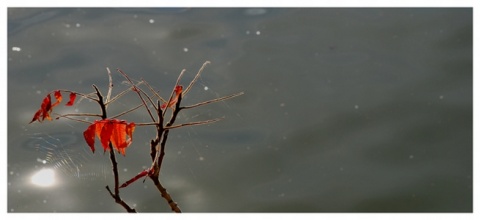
(44, 110)
(135, 178)
(178, 91)
(89, 136)
(58, 97)
(110, 131)
(105, 134)
(72, 99)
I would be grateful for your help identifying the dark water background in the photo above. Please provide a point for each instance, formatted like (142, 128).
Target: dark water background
(345, 110)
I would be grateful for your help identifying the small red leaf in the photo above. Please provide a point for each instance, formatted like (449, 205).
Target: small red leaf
(178, 92)
(89, 136)
(37, 116)
(58, 97)
(72, 99)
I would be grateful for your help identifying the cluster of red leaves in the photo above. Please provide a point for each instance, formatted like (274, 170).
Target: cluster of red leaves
(110, 130)
(178, 91)
(47, 106)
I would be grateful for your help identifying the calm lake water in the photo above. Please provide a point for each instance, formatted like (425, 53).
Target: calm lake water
(345, 110)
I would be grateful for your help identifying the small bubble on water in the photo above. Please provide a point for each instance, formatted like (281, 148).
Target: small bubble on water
(410, 157)
(201, 158)
(356, 107)
(44, 201)
(247, 32)
(125, 170)
(206, 88)
(282, 104)
(258, 32)
(185, 49)
(17, 49)
(151, 21)
(440, 97)
(77, 25)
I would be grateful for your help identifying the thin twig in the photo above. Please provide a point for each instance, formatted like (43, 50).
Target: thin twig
(110, 85)
(196, 78)
(121, 94)
(193, 123)
(135, 89)
(153, 91)
(214, 100)
(128, 111)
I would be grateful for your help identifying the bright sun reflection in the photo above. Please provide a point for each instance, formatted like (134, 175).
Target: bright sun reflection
(43, 178)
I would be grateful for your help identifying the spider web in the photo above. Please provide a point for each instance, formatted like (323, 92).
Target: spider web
(66, 153)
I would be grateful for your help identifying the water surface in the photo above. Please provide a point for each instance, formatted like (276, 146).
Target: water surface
(345, 110)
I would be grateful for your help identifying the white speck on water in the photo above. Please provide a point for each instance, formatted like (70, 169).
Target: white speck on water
(11, 172)
(201, 158)
(125, 170)
(258, 32)
(282, 104)
(135, 16)
(77, 25)
(151, 21)
(17, 49)
(206, 88)
(281, 195)
(247, 32)
(440, 97)
(179, 152)
(41, 161)
(39, 92)
(185, 49)
(356, 107)
(341, 169)
(44, 201)
(410, 157)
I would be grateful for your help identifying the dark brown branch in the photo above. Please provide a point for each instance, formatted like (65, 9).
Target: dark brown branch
(116, 194)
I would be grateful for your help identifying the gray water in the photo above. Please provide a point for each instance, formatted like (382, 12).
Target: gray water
(345, 110)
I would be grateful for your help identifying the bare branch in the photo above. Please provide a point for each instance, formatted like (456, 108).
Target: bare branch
(128, 111)
(121, 94)
(136, 90)
(213, 100)
(110, 85)
(194, 123)
(196, 78)
(153, 91)
(75, 119)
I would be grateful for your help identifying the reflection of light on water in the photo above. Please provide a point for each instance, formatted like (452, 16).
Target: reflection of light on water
(43, 178)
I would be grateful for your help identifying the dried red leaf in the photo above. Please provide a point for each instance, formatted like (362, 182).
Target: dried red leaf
(135, 178)
(110, 131)
(178, 92)
(58, 97)
(72, 99)
(46, 107)
(89, 136)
